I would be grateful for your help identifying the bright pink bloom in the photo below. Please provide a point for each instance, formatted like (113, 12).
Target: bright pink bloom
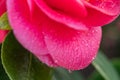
(2, 10)
(2, 35)
(61, 32)
(2, 6)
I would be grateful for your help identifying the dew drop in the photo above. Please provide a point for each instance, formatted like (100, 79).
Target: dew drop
(76, 49)
(78, 32)
(27, 28)
(86, 44)
(93, 31)
(82, 42)
(93, 58)
(70, 71)
(56, 61)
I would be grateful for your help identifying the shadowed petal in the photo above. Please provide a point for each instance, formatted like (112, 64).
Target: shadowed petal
(2, 10)
(2, 6)
(95, 16)
(2, 35)
(59, 16)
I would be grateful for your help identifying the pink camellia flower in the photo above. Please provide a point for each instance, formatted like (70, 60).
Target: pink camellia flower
(2, 10)
(63, 33)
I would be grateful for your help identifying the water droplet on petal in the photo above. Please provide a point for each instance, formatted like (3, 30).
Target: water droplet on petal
(56, 61)
(70, 71)
(93, 58)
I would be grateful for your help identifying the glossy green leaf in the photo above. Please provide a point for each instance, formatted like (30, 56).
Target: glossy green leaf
(116, 63)
(96, 76)
(105, 68)
(4, 24)
(20, 64)
(63, 74)
(3, 75)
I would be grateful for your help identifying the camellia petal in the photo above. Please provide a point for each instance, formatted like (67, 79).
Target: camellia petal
(26, 31)
(110, 7)
(2, 10)
(2, 6)
(60, 16)
(2, 35)
(101, 12)
(28, 28)
(67, 6)
(95, 15)
(52, 42)
(70, 48)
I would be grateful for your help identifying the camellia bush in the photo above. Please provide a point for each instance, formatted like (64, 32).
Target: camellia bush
(57, 39)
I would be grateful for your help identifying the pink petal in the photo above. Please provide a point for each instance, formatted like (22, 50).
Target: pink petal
(110, 7)
(95, 17)
(101, 12)
(27, 32)
(2, 35)
(60, 16)
(27, 28)
(52, 42)
(70, 48)
(71, 7)
(2, 10)
(2, 6)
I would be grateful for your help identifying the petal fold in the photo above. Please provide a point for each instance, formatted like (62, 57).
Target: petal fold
(2, 35)
(27, 32)
(95, 15)
(70, 48)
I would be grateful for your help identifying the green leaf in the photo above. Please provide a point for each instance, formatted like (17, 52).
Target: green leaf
(4, 24)
(105, 68)
(116, 63)
(63, 74)
(3, 75)
(96, 76)
(20, 64)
